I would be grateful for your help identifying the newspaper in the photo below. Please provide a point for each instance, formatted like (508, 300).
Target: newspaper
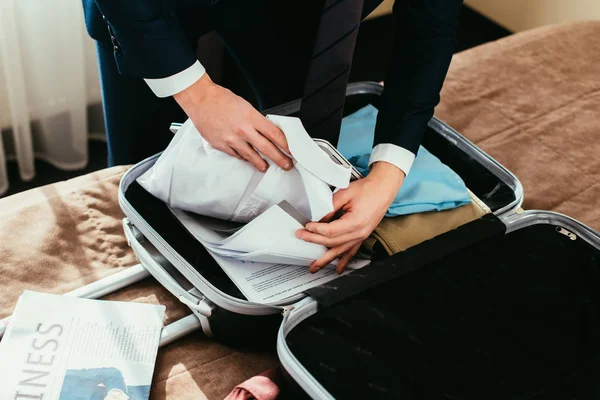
(66, 348)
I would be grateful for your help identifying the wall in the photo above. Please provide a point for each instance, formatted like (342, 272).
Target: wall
(384, 8)
(519, 15)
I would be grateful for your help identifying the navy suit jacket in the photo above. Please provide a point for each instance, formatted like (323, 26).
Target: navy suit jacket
(150, 43)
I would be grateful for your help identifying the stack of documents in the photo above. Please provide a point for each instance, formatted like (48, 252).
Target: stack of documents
(268, 238)
(263, 258)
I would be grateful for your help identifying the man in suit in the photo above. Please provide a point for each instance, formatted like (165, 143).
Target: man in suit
(287, 49)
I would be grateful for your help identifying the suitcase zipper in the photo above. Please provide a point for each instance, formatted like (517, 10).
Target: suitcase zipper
(293, 315)
(286, 309)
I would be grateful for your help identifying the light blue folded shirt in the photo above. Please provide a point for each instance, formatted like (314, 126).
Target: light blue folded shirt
(430, 185)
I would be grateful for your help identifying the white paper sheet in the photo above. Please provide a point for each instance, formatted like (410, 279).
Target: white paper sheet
(271, 237)
(272, 283)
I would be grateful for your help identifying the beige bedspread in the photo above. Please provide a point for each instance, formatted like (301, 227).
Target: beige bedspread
(531, 100)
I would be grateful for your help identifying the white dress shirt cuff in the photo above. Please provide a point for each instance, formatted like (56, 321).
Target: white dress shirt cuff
(395, 155)
(171, 85)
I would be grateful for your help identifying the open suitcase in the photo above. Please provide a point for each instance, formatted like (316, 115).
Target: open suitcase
(412, 324)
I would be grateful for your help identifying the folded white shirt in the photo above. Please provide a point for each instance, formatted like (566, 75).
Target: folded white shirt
(193, 176)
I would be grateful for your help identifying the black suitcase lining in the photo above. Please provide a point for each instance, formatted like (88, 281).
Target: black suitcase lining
(161, 219)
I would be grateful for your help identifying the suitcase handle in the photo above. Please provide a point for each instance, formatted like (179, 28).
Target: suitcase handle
(200, 305)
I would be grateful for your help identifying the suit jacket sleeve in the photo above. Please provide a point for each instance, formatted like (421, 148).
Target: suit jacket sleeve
(149, 39)
(423, 47)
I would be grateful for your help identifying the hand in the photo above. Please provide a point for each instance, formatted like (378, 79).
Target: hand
(230, 124)
(364, 204)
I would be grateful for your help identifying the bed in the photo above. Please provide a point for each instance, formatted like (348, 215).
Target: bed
(531, 100)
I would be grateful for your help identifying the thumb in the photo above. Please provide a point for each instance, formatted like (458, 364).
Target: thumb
(340, 199)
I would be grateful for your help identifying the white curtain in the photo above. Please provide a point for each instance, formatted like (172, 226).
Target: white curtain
(48, 77)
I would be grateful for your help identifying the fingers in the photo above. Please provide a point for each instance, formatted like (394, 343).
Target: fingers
(271, 132)
(329, 216)
(345, 259)
(258, 133)
(348, 226)
(324, 240)
(268, 149)
(330, 234)
(232, 153)
(331, 255)
(251, 155)
(341, 198)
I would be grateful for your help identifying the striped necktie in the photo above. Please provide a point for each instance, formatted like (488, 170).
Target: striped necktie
(325, 87)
